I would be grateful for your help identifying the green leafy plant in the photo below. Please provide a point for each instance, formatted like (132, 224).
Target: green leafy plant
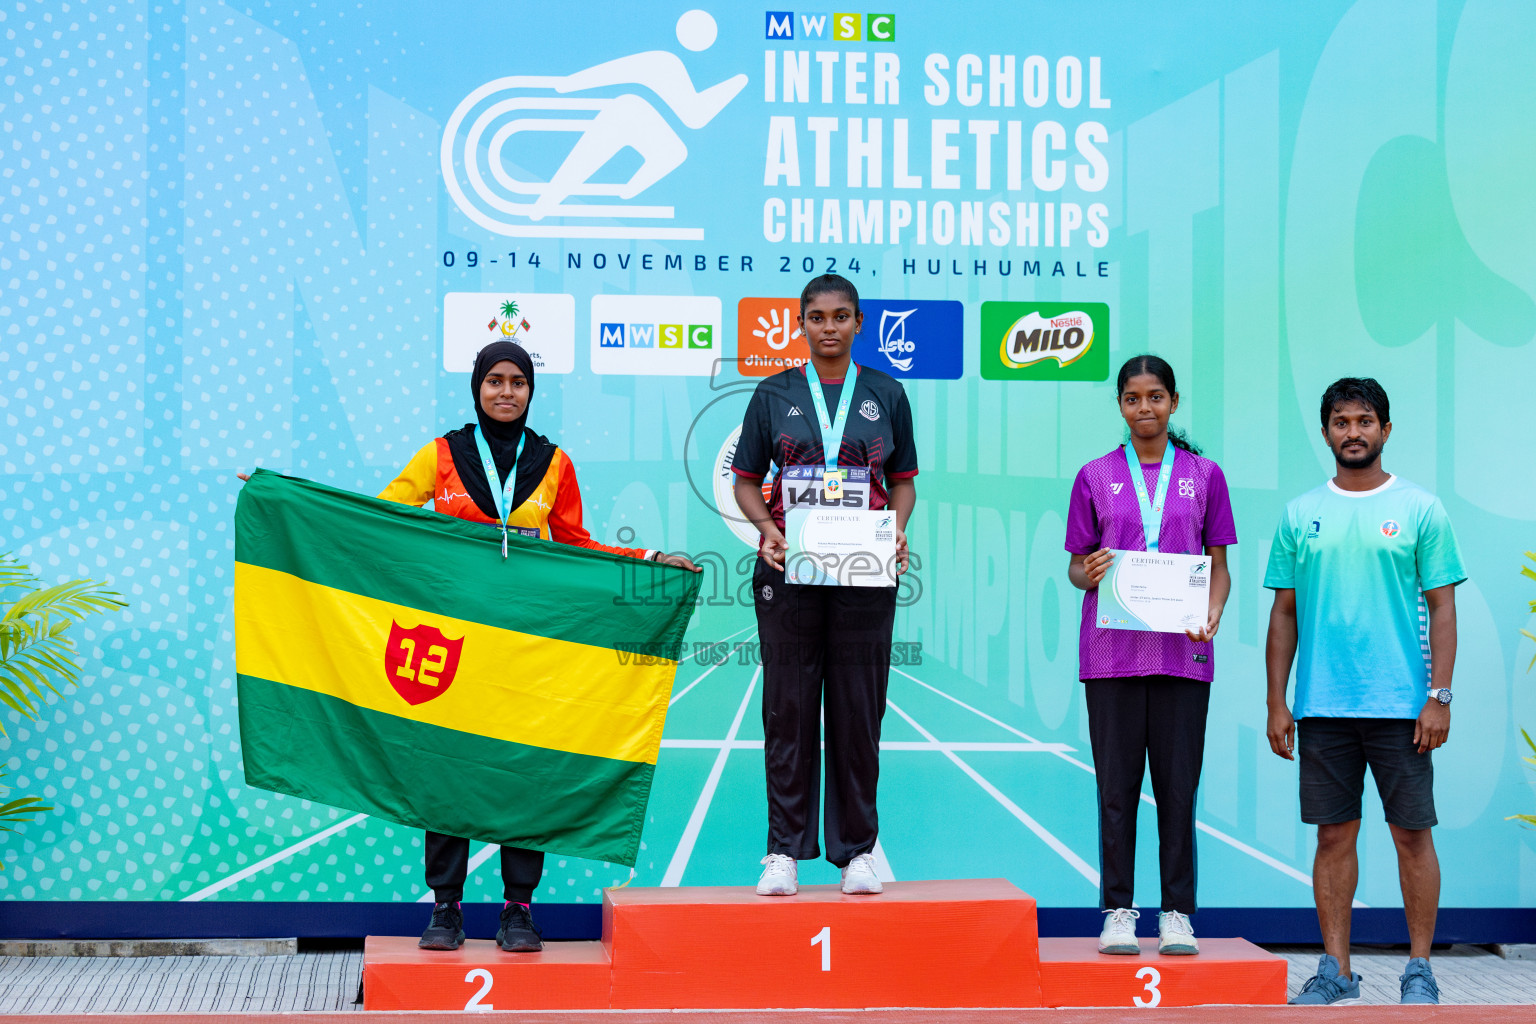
(37, 653)
(1528, 573)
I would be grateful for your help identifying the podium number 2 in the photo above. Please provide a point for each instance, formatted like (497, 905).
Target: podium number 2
(1152, 979)
(823, 939)
(479, 974)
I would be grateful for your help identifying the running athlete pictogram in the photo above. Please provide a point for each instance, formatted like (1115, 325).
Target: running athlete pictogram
(504, 197)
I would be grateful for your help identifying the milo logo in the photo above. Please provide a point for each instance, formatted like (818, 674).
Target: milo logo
(1034, 339)
(1045, 341)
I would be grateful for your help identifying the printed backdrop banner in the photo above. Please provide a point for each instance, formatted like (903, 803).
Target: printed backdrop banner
(273, 235)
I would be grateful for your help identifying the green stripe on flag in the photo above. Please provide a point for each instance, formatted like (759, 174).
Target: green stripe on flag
(320, 748)
(449, 566)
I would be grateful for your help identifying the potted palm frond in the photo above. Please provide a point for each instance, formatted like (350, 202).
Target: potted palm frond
(37, 652)
(1528, 573)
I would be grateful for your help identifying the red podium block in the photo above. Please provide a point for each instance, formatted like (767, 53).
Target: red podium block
(479, 976)
(1074, 973)
(931, 944)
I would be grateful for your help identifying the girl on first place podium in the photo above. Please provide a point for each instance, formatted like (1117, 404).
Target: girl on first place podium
(824, 647)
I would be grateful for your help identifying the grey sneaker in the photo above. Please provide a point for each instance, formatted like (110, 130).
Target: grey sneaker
(1419, 983)
(1175, 937)
(1119, 934)
(1327, 988)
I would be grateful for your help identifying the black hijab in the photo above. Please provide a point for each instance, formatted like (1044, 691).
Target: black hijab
(502, 437)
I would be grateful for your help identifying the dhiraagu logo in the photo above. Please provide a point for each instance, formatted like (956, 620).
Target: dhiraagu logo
(1045, 341)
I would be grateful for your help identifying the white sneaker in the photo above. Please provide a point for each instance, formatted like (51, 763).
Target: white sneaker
(781, 876)
(1119, 934)
(1175, 937)
(859, 876)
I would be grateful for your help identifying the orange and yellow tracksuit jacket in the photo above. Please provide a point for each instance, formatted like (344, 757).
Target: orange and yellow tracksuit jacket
(554, 508)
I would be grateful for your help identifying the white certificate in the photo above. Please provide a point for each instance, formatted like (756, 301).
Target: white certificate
(1155, 592)
(840, 547)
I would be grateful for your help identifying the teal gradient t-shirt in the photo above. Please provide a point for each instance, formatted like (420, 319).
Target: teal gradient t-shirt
(1359, 562)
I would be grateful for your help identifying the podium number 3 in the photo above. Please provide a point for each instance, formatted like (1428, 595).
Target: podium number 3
(1152, 979)
(823, 939)
(483, 975)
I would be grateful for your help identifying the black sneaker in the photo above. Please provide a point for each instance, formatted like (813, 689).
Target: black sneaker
(446, 930)
(518, 933)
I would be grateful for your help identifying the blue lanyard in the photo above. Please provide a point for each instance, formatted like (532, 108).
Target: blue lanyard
(831, 429)
(503, 497)
(1151, 508)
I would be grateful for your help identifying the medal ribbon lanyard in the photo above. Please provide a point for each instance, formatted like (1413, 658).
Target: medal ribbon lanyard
(503, 497)
(831, 429)
(1151, 507)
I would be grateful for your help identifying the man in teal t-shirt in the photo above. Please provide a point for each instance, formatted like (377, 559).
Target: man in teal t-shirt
(1364, 570)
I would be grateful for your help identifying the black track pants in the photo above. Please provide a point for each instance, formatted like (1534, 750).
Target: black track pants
(825, 650)
(1133, 723)
(448, 865)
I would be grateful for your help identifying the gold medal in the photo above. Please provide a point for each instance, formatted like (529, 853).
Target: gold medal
(832, 485)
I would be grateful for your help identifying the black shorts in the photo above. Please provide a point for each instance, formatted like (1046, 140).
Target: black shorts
(1334, 753)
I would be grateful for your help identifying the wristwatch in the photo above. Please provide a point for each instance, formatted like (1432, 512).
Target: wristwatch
(1443, 695)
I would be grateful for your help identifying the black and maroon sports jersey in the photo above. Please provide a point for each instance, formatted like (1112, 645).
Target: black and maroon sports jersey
(780, 427)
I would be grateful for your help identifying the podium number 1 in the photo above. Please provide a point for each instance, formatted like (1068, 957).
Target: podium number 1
(823, 939)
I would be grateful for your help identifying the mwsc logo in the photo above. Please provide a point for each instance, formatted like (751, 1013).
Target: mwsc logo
(488, 122)
(1045, 340)
(845, 28)
(618, 335)
(655, 334)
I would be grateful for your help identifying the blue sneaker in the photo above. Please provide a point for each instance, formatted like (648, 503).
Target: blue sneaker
(1419, 983)
(1327, 988)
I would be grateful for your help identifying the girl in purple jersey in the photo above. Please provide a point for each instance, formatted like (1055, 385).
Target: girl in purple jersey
(1147, 692)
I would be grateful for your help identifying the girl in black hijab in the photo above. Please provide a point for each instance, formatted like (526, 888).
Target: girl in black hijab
(545, 502)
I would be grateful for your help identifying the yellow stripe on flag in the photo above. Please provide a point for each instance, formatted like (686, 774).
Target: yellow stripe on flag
(509, 686)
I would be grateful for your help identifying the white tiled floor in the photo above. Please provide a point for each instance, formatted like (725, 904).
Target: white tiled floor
(180, 984)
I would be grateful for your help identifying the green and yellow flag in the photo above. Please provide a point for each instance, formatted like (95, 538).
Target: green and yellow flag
(390, 661)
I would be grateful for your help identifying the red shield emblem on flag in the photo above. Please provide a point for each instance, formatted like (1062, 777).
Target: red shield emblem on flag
(420, 662)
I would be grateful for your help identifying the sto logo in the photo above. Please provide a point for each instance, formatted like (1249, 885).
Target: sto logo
(420, 662)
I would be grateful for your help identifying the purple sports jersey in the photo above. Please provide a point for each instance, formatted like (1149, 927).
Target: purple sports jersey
(1104, 513)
